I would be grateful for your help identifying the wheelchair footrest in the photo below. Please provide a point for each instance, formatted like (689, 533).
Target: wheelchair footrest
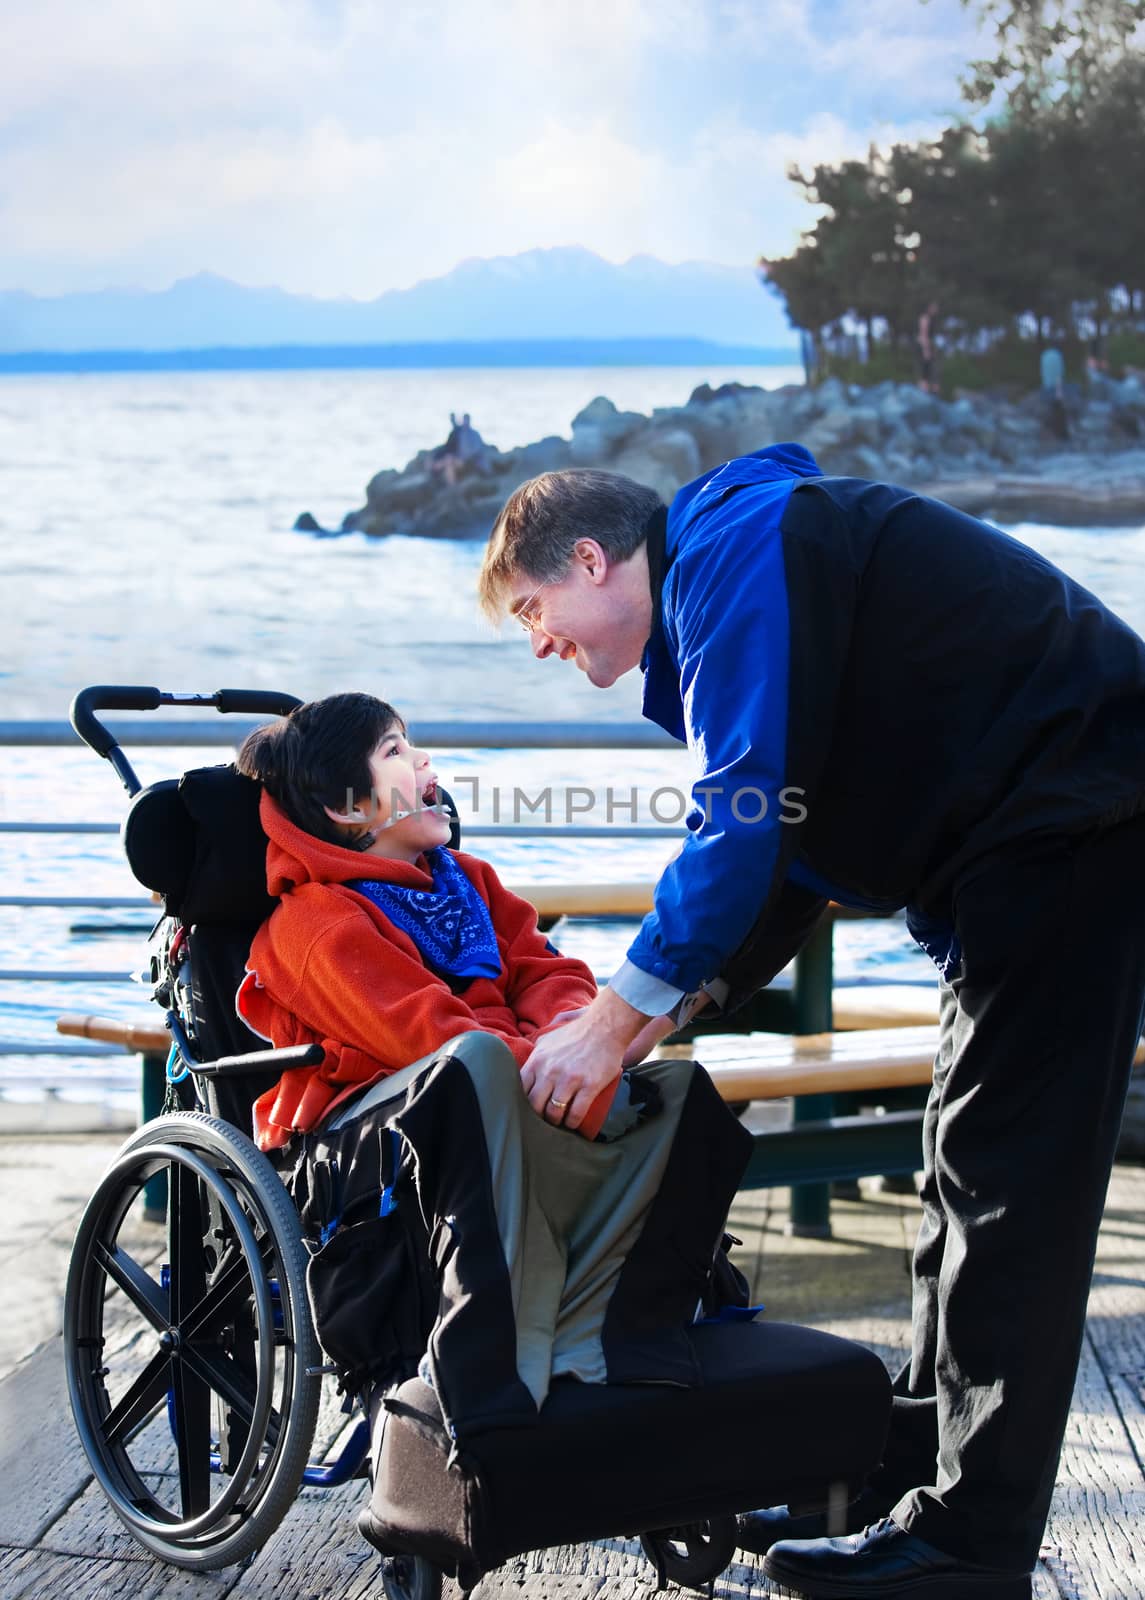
(782, 1413)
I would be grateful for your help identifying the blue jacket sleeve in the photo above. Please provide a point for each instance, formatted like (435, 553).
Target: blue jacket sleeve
(726, 617)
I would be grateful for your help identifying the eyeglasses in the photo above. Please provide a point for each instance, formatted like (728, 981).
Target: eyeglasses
(530, 622)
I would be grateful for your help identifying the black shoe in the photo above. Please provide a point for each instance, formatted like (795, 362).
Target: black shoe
(759, 1530)
(885, 1560)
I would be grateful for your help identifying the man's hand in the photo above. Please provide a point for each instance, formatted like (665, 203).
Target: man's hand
(571, 1064)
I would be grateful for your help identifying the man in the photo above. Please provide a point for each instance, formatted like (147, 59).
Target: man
(1051, 366)
(891, 705)
(924, 343)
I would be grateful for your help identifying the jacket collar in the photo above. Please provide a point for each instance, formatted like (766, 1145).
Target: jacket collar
(661, 698)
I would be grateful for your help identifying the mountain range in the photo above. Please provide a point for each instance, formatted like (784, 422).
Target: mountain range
(565, 294)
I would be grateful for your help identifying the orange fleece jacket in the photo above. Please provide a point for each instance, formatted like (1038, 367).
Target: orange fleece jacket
(328, 967)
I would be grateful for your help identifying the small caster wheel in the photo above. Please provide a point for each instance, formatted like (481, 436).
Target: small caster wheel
(694, 1555)
(411, 1578)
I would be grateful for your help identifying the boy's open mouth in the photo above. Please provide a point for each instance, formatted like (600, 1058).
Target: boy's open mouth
(429, 795)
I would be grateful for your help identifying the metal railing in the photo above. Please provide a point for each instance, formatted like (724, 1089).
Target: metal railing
(170, 733)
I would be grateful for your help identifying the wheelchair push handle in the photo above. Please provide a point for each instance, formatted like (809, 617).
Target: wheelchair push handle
(137, 697)
(255, 702)
(108, 697)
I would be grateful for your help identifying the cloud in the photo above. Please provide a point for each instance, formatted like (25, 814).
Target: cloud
(354, 145)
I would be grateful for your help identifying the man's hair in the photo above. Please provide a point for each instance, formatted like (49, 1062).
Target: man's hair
(318, 756)
(540, 523)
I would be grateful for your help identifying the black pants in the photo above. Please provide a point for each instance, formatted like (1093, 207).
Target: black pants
(1038, 1032)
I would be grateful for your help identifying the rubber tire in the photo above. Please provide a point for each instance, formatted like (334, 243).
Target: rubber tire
(708, 1547)
(200, 1154)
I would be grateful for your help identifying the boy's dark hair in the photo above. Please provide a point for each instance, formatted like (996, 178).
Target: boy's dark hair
(318, 756)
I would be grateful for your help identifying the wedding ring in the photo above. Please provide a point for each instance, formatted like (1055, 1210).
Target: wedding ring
(560, 1104)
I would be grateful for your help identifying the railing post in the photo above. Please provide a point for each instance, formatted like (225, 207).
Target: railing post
(810, 1215)
(153, 1089)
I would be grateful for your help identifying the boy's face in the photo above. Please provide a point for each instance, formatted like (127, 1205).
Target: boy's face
(402, 806)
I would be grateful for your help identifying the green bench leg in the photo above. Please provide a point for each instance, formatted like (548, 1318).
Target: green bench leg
(810, 1216)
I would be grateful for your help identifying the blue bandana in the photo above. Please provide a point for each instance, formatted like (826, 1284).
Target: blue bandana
(450, 923)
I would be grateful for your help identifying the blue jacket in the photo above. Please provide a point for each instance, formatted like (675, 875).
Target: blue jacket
(880, 693)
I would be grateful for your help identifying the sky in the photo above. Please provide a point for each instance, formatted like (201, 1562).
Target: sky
(346, 147)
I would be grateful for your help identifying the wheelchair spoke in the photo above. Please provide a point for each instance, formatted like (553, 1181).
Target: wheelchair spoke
(229, 1287)
(185, 1243)
(192, 1400)
(141, 1400)
(192, 1426)
(137, 1284)
(228, 1380)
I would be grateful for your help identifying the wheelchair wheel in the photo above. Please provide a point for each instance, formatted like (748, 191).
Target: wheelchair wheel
(692, 1556)
(411, 1578)
(193, 1379)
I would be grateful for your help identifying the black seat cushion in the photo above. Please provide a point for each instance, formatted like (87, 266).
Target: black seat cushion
(783, 1413)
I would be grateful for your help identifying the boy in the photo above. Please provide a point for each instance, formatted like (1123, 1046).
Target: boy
(385, 944)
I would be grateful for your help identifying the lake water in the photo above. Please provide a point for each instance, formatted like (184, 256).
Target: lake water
(145, 537)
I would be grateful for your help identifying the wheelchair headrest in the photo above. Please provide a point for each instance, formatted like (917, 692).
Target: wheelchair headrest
(197, 840)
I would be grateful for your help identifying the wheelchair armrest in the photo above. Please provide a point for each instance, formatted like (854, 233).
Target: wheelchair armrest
(268, 1061)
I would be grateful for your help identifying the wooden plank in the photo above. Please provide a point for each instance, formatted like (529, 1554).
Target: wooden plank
(44, 1186)
(42, 1468)
(630, 899)
(885, 1005)
(49, 1572)
(44, 1574)
(316, 1551)
(1094, 1545)
(611, 1569)
(762, 1066)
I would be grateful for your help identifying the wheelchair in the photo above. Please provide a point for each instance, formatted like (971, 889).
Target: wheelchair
(193, 1366)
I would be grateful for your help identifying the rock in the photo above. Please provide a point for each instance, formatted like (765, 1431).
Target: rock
(704, 394)
(991, 453)
(545, 455)
(830, 394)
(866, 463)
(305, 523)
(600, 429)
(665, 462)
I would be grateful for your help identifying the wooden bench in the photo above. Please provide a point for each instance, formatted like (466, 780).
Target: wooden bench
(742, 1066)
(814, 1149)
(817, 1147)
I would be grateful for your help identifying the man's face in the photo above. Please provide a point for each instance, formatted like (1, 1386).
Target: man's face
(595, 616)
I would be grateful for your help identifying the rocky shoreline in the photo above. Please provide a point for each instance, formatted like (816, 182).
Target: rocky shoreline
(992, 455)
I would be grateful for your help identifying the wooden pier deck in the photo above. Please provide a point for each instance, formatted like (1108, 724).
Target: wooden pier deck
(58, 1540)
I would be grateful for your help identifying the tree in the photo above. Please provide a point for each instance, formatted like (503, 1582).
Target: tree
(1027, 219)
(1050, 52)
